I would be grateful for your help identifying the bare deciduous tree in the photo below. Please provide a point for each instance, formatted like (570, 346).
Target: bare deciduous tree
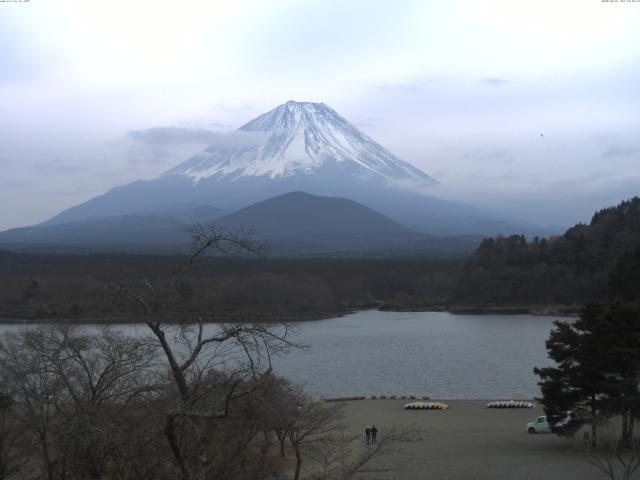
(319, 437)
(10, 435)
(617, 459)
(340, 456)
(215, 372)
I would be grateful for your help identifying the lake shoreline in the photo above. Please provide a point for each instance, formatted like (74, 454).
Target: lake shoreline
(536, 310)
(541, 311)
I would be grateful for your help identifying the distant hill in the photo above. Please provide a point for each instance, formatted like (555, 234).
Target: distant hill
(568, 269)
(191, 213)
(295, 224)
(299, 217)
(299, 224)
(158, 232)
(131, 233)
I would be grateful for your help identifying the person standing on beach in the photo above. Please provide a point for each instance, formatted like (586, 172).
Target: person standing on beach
(374, 433)
(367, 434)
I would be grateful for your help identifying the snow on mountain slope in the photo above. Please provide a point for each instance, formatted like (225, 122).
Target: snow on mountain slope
(298, 138)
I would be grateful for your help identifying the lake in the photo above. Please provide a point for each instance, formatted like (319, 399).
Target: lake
(422, 353)
(438, 354)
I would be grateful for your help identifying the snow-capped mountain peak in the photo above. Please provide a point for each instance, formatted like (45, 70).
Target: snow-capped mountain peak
(298, 138)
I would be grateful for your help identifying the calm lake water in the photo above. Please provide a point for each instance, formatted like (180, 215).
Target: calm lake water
(423, 353)
(417, 353)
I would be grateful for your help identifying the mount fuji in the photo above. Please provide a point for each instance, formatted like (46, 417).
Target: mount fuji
(300, 138)
(296, 147)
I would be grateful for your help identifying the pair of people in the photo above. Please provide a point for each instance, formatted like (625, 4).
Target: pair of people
(370, 433)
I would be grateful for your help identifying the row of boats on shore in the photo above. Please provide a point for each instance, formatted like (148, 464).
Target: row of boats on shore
(424, 405)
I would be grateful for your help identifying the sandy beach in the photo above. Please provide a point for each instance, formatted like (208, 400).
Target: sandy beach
(470, 441)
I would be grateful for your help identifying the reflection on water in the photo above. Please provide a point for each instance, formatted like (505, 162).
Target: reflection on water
(415, 353)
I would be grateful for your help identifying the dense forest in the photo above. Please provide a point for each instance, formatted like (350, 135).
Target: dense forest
(563, 270)
(80, 286)
(504, 273)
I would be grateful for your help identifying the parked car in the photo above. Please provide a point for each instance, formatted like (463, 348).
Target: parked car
(541, 425)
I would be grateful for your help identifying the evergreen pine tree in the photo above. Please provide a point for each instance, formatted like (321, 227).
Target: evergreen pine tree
(597, 372)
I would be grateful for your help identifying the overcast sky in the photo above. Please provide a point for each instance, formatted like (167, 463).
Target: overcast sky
(527, 107)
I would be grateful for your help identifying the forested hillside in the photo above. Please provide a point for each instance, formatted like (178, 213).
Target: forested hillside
(563, 270)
